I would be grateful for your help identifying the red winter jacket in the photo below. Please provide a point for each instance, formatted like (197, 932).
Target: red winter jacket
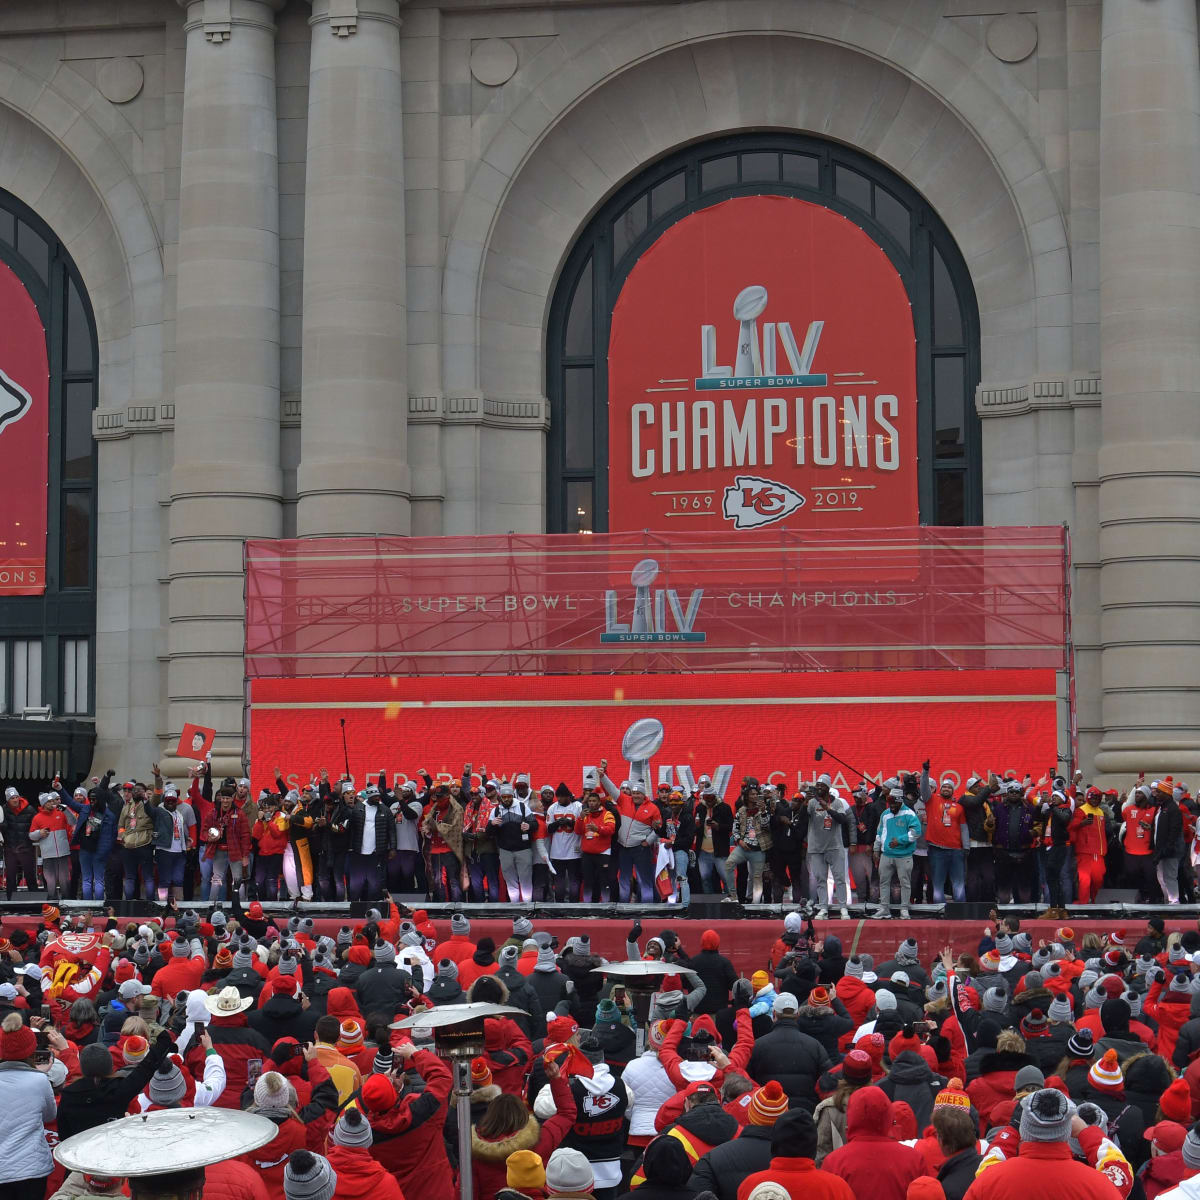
(236, 830)
(179, 975)
(308, 1133)
(739, 1056)
(233, 1180)
(272, 835)
(359, 1176)
(458, 949)
(1172, 1010)
(798, 1177)
(858, 997)
(243, 1050)
(871, 1162)
(1041, 1169)
(408, 1136)
(1163, 1172)
(489, 1157)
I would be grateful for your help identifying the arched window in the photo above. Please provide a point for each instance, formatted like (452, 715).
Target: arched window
(919, 246)
(47, 640)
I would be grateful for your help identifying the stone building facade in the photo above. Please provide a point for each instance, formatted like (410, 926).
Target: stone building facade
(321, 243)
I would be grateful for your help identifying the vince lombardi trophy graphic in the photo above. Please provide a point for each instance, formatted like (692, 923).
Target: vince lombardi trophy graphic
(748, 306)
(642, 741)
(642, 576)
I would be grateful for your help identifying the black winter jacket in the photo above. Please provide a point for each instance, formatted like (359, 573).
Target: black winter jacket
(383, 988)
(957, 1173)
(911, 1080)
(356, 818)
(718, 976)
(825, 1026)
(794, 1059)
(551, 988)
(89, 1102)
(283, 1016)
(722, 818)
(723, 1168)
(522, 995)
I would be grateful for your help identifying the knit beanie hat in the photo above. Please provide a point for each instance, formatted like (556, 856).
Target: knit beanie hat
(166, 1084)
(243, 955)
(17, 1040)
(1004, 945)
(656, 1033)
(1176, 1102)
(907, 951)
(547, 960)
(952, 1096)
(902, 1042)
(350, 1036)
(345, 936)
(856, 1066)
(1134, 1000)
(759, 980)
(447, 969)
(1191, 1149)
(508, 956)
(351, 1129)
(223, 960)
(385, 952)
(525, 1171)
(710, 940)
(378, 1094)
(1022, 943)
(308, 1176)
(854, 968)
(522, 927)
(1040, 957)
(272, 1093)
(607, 1013)
(1032, 979)
(359, 954)
(568, 1171)
(135, 1049)
(481, 1074)
(1060, 1011)
(287, 964)
(1106, 1074)
(95, 1061)
(1028, 1076)
(459, 924)
(995, 1000)
(1046, 1117)
(1035, 1025)
(767, 1104)
(1087, 978)
(1081, 1043)
(936, 990)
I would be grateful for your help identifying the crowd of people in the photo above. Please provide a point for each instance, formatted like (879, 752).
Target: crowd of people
(1003, 1071)
(910, 839)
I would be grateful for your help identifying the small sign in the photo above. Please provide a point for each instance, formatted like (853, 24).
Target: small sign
(195, 742)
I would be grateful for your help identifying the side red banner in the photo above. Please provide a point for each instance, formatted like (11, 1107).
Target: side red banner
(24, 429)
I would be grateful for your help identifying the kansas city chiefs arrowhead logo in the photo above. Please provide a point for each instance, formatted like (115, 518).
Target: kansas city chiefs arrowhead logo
(751, 502)
(15, 401)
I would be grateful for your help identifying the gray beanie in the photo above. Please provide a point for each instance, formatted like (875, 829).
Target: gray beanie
(180, 948)
(411, 938)
(459, 924)
(385, 952)
(166, 1084)
(243, 956)
(1004, 945)
(936, 990)
(854, 968)
(345, 936)
(907, 950)
(287, 965)
(1046, 1116)
(1060, 1011)
(1191, 1149)
(547, 960)
(885, 1001)
(447, 969)
(1041, 956)
(218, 920)
(1028, 1076)
(373, 914)
(522, 927)
(308, 1176)
(1033, 979)
(1022, 943)
(1094, 997)
(351, 1129)
(1134, 1000)
(995, 1000)
(508, 956)
(141, 954)
(1087, 977)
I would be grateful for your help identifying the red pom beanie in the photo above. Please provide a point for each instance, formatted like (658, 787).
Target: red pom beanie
(710, 940)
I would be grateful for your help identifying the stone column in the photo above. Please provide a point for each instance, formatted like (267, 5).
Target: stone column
(1149, 461)
(354, 475)
(226, 481)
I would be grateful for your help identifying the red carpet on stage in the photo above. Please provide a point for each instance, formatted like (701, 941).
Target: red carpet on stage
(747, 943)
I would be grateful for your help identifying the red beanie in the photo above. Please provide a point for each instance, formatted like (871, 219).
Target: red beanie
(900, 1043)
(1176, 1102)
(873, 1045)
(378, 1093)
(360, 955)
(710, 940)
(17, 1041)
(705, 1024)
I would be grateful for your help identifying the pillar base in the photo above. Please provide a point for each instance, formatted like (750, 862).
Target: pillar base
(1156, 757)
(225, 762)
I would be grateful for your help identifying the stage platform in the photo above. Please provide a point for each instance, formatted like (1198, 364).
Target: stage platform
(747, 941)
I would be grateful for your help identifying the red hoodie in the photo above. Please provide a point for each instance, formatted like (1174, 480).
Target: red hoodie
(871, 1162)
(408, 1135)
(360, 1176)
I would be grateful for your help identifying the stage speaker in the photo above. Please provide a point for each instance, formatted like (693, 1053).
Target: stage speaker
(967, 910)
(703, 907)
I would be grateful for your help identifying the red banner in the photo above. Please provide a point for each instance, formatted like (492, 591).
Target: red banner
(24, 429)
(965, 722)
(570, 604)
(762, 370)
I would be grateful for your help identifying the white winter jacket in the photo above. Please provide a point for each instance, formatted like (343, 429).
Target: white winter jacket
(26, 1107)
(647, 1079)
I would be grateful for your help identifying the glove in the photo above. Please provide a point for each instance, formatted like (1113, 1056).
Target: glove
(635, 932)
(164, 1044)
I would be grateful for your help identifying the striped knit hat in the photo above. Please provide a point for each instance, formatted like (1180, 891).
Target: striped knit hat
(767, 1104)
(350, 1036)
(134, 1049)
(952, 1096)
(1106, 1075)
(481, 1073)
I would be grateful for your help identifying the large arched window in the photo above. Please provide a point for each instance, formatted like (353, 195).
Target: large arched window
(47, 640)
(919, 246)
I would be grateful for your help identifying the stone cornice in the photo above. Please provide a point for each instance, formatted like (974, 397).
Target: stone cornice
(1013, 399)
(218, 17)
(343, 16)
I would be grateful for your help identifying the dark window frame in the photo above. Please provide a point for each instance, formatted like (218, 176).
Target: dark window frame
(914, 265)
(60, 613)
